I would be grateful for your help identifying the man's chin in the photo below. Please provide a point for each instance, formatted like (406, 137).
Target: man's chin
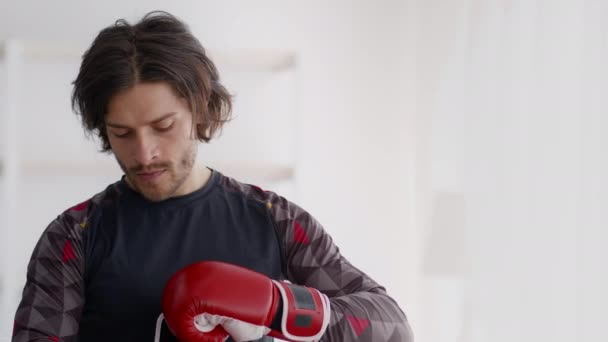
(151, 193)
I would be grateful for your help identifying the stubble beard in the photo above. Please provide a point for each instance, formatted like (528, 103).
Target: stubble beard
(171, 180)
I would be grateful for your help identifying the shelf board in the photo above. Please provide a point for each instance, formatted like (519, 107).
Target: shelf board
(245, 171)
(237, 59)
(65, 167)
(255, 172)
(265, 60)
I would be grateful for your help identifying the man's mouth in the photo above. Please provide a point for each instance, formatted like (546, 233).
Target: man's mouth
(149, 176)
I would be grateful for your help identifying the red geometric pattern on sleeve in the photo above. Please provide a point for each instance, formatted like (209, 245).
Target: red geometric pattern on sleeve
(358, 324)
(299, 235)
(80, 206)
(68, 252)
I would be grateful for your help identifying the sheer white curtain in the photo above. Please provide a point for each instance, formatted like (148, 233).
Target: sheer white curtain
(512, 115)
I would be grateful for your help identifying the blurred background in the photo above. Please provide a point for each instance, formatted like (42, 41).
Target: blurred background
(455, 150)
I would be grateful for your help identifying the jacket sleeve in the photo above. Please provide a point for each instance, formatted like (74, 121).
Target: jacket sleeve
(53, 297)
(361, 309)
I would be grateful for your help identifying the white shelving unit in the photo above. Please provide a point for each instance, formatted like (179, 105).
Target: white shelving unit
(259, 146)
(267, 172)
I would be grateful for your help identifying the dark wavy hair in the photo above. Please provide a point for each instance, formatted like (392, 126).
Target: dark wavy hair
(159, 47)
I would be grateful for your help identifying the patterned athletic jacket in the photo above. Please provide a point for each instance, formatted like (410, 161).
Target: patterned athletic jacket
(98, 271)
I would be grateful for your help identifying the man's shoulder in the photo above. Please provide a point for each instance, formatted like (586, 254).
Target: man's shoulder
(247, 190)
(276, 204)
(85, 209)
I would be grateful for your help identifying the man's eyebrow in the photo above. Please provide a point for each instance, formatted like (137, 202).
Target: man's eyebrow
(163, 117)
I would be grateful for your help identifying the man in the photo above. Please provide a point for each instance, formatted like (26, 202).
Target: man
(215, 255)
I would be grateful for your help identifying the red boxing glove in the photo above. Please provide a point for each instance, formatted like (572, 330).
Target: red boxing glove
(209, 301)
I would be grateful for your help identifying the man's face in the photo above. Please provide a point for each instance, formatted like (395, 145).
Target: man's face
(151, 134)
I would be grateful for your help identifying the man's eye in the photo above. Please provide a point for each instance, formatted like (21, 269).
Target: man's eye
(164, 127)
(121, 134)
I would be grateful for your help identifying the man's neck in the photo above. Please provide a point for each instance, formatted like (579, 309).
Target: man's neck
(200, 176)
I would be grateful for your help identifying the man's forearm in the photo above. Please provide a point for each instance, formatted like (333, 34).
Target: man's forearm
(367, 316)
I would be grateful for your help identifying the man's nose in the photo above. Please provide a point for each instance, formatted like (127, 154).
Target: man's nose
(145, 150)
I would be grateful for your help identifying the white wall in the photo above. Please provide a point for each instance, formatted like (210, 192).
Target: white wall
(511, 107)
(354, 133)
(494, 106)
